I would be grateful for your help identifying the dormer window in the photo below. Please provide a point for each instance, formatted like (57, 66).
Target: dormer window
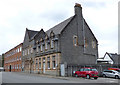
(75, 40)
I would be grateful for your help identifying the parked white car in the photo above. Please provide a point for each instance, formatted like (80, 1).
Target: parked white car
(1, 69)
(111, 73)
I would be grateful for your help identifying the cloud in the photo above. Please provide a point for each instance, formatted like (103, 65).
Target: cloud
(16, 15)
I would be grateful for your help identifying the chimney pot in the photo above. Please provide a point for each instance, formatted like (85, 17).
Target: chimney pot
(77, 5)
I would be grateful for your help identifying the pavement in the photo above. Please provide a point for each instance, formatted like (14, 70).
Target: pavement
(44, 75)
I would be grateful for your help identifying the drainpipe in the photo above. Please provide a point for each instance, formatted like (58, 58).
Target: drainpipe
(83, 35)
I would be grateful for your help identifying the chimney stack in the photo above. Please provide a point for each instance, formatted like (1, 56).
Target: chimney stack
(78, 9)
(77, 5)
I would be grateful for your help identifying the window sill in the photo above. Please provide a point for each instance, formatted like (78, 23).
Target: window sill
(54, 68)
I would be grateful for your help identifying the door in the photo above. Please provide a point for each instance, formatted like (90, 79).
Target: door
(80, 72)
(109, 74)
(62, 70)
(10, 68)
(44, 67)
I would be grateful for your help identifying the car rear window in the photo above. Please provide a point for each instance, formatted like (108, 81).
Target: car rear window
(94, 70)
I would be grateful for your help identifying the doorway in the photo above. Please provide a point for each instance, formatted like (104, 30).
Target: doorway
(44, 67)
(10, 69)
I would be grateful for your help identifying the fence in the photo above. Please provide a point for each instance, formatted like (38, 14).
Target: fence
(70, 68)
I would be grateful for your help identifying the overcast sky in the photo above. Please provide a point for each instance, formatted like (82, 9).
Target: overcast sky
(17, 15)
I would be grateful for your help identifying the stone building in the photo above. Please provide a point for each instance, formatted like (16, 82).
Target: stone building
(13, 59)
(69, 42)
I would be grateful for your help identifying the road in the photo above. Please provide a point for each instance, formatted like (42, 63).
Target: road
(11, 77)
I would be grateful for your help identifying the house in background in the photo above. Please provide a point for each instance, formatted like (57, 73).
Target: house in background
(70, 42)
(109, 58)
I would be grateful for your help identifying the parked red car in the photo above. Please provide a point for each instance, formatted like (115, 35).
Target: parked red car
(87, 72)
(116, 69)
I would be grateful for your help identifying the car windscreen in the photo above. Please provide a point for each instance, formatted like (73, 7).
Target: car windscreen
(87, 69)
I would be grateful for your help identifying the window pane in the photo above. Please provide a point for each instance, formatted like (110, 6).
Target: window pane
(75, 40)
(81, 69)
(45, 45)
(53, 58)
(53, 64)
(52, 44)
(48, 64)
(39, 65)
(48, 58)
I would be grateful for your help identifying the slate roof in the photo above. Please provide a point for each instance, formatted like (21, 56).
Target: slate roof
(113, 56)
(59, 27)
(31, 33)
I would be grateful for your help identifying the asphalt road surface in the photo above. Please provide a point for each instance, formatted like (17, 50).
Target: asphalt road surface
(11, 77)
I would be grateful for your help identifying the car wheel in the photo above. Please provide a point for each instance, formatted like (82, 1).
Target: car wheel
(88, 76)
(95, 77)
(104, 75)
(116, 77)
(76, 75)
